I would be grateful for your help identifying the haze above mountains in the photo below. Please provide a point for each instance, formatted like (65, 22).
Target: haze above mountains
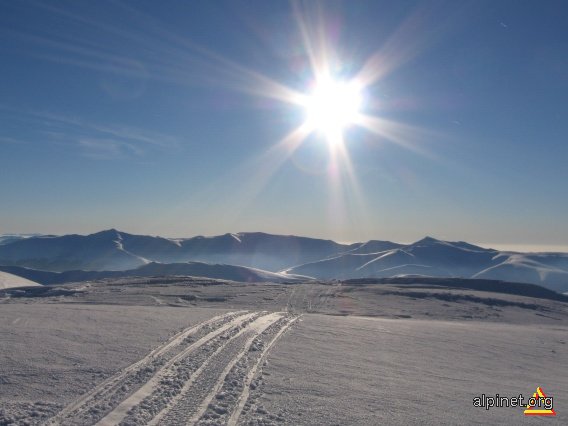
(259, 256)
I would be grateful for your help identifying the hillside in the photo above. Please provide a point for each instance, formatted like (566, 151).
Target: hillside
(435, 258)
(12, 281)
(195, 269)
(113, 250)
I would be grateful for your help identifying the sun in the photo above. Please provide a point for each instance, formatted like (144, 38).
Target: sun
(332, 106)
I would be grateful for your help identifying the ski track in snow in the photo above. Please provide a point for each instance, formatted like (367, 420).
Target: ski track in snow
(118, 414)
(247, 382)
(258, 327)
(87, 404)
(202, 375)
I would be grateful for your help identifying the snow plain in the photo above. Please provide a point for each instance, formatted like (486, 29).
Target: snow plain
(195, 351)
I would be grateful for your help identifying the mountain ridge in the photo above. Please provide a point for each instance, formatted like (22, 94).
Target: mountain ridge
(114, 250)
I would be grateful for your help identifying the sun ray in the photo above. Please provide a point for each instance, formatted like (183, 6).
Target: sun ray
(314, 42)
(238, 76)
(306, 39)
(403, 45)
(404, 135)
(220, 70)
(331, 102)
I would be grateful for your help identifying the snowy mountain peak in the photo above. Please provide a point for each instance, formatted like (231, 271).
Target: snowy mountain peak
(107, 233)
(426, 241)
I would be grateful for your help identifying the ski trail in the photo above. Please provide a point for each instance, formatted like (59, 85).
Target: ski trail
(195, 377)
(90, 398)
(177, 382)
(178, 338)
(260, 325)
(118, 413)
(289, 306)
(252, 373)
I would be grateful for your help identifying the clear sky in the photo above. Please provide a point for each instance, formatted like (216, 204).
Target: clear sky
(171, 118)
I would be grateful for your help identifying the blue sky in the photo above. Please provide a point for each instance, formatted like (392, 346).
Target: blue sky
(159, 118)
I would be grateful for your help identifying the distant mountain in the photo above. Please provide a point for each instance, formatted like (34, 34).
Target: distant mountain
(100, 251)
(10, 238)
(549, 270)
(11, 281)
(154, 269)
(426, 257)
(260, 250)
(435, 258)
(112, 250)
(374, 246)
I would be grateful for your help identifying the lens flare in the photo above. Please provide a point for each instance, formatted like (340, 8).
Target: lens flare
(332, 106)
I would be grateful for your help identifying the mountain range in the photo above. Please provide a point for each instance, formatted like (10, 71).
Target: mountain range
(267, 257)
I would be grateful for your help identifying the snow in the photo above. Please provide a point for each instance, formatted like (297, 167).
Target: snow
(526, 268)
(445, 259)
(10, 281)
(112, 250)
(53, 353)
(175, 350)
(368, 371)
(176, 241)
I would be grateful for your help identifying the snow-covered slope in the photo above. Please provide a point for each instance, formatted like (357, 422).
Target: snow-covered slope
(433, 257)
(429, 256)
(195, 269)
(135, 351)
(260, 250)
(10, 281)
(103, 250)
(113, 250)
(201, 269)
(374, 246)
(525, 269)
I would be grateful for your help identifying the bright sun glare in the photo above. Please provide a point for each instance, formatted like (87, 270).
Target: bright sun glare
(332, 106)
